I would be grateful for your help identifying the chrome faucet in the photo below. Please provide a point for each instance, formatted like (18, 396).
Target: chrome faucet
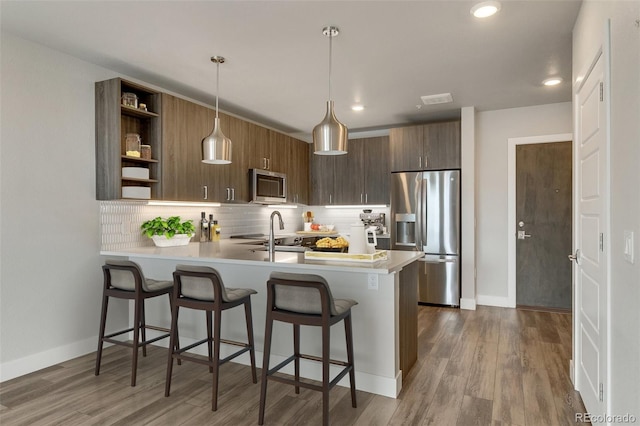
(272, 242)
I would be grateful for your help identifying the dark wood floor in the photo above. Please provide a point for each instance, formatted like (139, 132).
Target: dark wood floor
(493, 366)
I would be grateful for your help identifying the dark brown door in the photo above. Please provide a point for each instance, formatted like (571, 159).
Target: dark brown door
(543, 225)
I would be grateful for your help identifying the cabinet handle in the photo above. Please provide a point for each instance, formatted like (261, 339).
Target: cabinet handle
(206, 192)
(361, 198)
(233, 194)
(366, 198)
(264, 163)
(419, 161)
(268, 163)
(426, 161)
(330, 199)
(228, 194)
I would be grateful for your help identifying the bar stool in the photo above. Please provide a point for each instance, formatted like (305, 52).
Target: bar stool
(201, 288)
(124, 279)
(302, 299)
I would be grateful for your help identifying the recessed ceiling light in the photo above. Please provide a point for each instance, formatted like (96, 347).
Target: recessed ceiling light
(553, 81)
(357, 107)
(485, 9)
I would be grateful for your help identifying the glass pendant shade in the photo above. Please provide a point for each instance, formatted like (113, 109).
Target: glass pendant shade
(330, 136)
(216, 148)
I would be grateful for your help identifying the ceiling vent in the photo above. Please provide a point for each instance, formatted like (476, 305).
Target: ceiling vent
(442, 98)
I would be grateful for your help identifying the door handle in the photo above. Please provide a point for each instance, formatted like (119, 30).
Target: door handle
(522, 235)
(206, 192)
(575, 257)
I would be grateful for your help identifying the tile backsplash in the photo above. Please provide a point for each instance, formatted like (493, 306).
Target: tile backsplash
(120, 220)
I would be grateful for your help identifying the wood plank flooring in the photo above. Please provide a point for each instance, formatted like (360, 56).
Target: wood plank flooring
(493, 366)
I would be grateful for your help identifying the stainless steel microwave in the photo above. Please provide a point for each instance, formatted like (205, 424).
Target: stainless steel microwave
(267, 187)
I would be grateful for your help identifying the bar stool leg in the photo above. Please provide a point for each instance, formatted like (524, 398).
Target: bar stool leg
(296, 353)
(216, 360)
(143, 328)
(252, 352)
(176, 344)
(326, 356)
(103, 322)
(352, 373)
(265, 367)
(136, 340)
(209, 340)
(173, 348)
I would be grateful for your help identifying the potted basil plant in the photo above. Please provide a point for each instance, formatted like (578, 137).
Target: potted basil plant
(168, 232)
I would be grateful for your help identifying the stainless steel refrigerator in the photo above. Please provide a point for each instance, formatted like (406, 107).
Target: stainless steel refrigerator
(425, 216)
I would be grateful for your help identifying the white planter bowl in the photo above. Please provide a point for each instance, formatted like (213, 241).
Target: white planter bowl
(177, 240)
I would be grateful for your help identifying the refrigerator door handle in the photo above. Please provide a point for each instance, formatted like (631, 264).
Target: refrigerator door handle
(418, 222)
(423, 214)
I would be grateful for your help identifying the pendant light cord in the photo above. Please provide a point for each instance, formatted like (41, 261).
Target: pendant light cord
(330, 46)
(217, 85)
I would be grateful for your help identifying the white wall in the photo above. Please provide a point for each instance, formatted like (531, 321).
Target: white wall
(50, 276)
(493, 129)
(624, 295)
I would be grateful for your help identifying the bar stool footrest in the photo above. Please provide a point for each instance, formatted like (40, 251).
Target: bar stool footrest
(332, 383)
(178, 354)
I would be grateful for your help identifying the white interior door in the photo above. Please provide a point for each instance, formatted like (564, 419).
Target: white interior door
(590, 239)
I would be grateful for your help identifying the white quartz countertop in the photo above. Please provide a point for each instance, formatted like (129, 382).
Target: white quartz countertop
(233, 251)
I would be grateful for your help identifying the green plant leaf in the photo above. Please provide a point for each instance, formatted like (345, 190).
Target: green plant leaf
(167, 227)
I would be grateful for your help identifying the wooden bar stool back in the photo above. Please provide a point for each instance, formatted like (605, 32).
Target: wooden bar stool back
(303, 299)
(124, 279)
(201, 288)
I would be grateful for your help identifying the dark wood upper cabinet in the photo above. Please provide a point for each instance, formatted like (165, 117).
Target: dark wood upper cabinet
(442, 150)
(377, 170)
(322, 178)
(297, 170)
(359, 177)
(113, 121)
(184, 125)
(175, 135)
(433, 146)
(186, 178)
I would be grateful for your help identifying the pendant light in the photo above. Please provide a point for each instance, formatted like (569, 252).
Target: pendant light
(216, 148)
(330, 136)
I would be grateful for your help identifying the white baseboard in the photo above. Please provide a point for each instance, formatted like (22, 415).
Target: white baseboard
(19, 367)
(469, 304)
(499, 301)
(571, 373)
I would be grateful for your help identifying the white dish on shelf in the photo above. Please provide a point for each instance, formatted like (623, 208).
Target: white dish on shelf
(135, 172)
(142, 192)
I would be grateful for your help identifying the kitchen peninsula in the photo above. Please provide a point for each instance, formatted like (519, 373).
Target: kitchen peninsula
(384, 321)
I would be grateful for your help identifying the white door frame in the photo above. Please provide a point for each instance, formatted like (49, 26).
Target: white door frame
(511, 204)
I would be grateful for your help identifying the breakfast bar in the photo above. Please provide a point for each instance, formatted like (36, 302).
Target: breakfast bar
(384, 321)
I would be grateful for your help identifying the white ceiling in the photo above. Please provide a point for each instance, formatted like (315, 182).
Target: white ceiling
(388, 53)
